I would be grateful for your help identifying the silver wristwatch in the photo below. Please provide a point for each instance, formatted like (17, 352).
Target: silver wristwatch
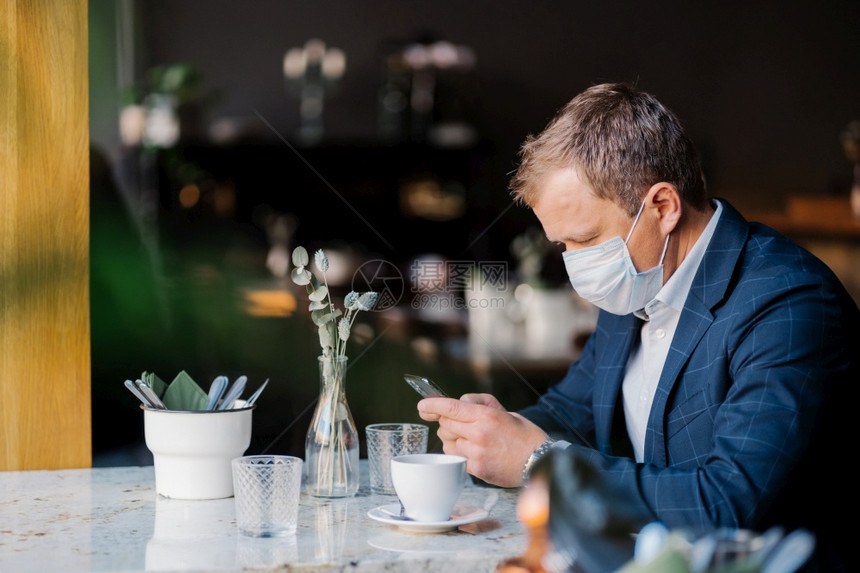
(541, 451)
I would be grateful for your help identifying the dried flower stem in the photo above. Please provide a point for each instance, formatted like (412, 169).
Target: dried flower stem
(330, 449)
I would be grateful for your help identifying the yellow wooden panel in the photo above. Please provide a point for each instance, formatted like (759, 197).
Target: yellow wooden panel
(44, 238)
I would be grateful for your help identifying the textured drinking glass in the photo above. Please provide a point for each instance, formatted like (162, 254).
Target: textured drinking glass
(385, 441)
(267, 490)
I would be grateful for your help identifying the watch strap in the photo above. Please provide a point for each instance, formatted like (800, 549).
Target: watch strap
(541, 451)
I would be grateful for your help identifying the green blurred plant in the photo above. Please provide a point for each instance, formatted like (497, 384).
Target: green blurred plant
(180, 80)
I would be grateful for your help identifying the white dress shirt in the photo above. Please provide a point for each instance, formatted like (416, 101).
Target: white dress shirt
(649, 355)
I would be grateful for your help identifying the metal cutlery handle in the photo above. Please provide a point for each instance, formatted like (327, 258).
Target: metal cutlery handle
(140, 395)
(233, 393)
(216, 391)
(150, 395)
(256, 394)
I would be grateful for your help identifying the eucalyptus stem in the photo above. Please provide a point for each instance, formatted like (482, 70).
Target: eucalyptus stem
(330, 442)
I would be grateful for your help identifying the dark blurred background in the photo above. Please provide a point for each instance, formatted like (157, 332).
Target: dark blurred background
(223, 134)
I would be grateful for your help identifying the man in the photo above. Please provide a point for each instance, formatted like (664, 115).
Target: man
(712, 390)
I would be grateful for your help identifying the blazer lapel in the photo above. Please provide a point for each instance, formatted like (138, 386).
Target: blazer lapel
(708, 288)
(695, 320)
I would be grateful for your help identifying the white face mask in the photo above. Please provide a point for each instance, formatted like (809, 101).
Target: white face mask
(605, 276)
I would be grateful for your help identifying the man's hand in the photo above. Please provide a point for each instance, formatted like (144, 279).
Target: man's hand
(496, 443)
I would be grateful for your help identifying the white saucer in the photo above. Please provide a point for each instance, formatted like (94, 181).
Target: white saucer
(461, 515)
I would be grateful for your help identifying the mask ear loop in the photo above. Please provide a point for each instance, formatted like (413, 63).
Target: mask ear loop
(665, 246)
(633, 226)
(635, 220)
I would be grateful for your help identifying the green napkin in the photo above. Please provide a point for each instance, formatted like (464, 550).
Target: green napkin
(672, 560)
(184, 394)
(181, 394)
(667, 561)
(154, 382)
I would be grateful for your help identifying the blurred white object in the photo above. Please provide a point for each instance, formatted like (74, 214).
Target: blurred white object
(186, 536)
(528, 322)
(553, 318)
(162, 121)
(279, 232)
(132, 125)
(650, 542)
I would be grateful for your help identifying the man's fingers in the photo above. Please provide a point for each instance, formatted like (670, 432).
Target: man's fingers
(446, 435)
(429, 416)
(478, 433)
(449, 408)
(459, 447)
(483, 399)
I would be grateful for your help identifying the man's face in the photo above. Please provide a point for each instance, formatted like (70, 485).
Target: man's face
(574, 217)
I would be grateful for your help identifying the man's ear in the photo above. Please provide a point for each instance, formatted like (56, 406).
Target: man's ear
(666, 203)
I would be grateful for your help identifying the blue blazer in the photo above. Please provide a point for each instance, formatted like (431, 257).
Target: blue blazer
(750, 410)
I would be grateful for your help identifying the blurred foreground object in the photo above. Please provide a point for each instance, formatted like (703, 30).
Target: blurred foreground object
(533, 512)
(591, 526)
(726, 550)
(578, 525)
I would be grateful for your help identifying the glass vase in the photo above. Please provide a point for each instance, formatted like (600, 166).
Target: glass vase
(331, 444)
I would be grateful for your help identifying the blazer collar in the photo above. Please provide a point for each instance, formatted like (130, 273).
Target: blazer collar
(708, 289)
(721, 258)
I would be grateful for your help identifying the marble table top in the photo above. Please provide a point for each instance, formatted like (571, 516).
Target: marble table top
(111, 519)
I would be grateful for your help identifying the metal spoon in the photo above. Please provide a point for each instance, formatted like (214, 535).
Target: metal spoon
(140, 396)
(216, 390)
(150, 394)
(400, 517)
(791, 553)
(256, 394)
(233, 393)
(768, 541)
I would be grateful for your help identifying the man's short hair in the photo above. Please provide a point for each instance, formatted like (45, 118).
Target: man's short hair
(621, 141)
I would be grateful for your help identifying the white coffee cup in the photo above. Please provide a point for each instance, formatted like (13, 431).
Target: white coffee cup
(428, 485)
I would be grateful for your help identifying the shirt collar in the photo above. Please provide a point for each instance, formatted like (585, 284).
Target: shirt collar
(674, 292)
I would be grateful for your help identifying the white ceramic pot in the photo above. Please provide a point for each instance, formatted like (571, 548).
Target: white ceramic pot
(192, 450)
